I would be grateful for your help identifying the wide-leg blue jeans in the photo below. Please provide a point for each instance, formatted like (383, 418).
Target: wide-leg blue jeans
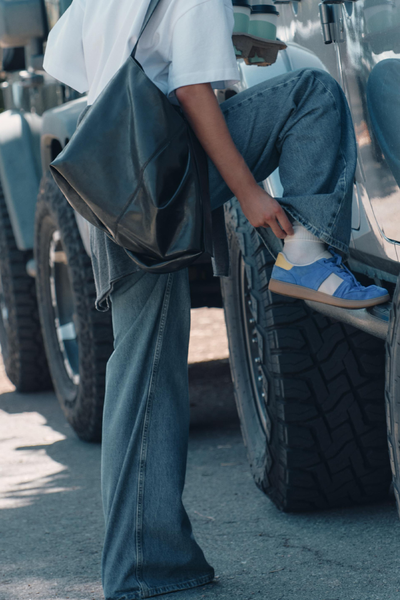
(302, 123)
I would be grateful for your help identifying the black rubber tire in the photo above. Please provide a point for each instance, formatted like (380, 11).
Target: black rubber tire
(82, 401)
(20, 334)
(323, 442)
(392, 392)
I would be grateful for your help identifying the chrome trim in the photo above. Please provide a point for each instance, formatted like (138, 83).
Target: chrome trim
(65, 329)
(374, 321)
(3, 306)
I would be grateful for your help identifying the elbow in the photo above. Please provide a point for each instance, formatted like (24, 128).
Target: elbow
(192, 93)
(183, 94)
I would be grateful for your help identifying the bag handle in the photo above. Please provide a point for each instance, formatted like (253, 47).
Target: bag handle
(152, 7)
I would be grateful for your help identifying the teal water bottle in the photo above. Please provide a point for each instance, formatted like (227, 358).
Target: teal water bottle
(241, 11)
(263, 21)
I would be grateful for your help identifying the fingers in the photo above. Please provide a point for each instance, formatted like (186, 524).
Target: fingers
(284, 222)
(273, 223)
(267, 212)
(279, 223)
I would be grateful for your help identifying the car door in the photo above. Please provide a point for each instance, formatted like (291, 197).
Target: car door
(364, 57)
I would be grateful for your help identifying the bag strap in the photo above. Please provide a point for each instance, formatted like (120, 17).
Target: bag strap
(152, 7)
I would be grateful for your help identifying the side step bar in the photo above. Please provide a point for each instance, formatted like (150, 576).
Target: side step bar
(374, 321)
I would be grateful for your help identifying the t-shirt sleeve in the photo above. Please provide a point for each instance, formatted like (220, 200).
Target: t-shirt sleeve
(202, 49)
(64, 57)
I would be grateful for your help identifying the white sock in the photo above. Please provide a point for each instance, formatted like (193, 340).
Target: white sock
(303, 247)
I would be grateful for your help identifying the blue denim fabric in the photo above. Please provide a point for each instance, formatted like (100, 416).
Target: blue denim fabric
(299, 121)
(149, 547)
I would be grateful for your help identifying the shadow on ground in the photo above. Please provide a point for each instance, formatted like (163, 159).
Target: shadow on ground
(51, 520)
(51, 523)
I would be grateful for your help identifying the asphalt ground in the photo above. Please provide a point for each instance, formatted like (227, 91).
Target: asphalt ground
(51, 523)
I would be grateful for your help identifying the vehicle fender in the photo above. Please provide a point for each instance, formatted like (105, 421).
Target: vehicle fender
(20, 171)
(58, 127)
(294, 57)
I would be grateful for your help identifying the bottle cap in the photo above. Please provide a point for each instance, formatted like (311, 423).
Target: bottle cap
(264, 9)
(244, 3)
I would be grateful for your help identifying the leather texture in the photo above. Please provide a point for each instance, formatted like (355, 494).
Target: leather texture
(135, 169)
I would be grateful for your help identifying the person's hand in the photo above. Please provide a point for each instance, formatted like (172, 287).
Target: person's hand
(201, 108)
(261, 210)
(200, 105)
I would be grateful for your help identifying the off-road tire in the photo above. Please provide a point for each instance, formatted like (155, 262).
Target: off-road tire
(392, 392)
(81, 396)
(319, 385)
(20, 334)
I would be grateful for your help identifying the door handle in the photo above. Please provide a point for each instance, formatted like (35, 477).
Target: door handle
(326, 18)
(331, 17)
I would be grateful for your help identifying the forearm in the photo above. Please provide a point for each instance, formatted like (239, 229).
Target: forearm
(202, 110)
(205, 116)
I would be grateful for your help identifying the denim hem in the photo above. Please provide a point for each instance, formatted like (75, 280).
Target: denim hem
(175, 587)
(102, 303)
(322, 235)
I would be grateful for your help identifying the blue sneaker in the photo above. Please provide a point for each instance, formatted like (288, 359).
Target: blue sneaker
(326, 280)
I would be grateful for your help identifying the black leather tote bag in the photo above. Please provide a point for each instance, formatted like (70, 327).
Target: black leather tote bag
(135, 169)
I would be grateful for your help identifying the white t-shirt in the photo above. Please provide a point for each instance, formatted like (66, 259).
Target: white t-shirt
(186, 42)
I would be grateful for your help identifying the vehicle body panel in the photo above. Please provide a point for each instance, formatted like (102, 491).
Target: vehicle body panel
(20, 21)
(376, 203)
(20, 171)
(58, 126)
(59, 123)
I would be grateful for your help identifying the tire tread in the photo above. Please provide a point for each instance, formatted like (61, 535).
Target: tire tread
(324, 383)
(84, 411)
(23, 352)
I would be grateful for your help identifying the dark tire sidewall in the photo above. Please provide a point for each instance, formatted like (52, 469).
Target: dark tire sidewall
(254, 435)
(20, 336)
(82, 403)
(62, 382)
(392, 392)
(323, 443)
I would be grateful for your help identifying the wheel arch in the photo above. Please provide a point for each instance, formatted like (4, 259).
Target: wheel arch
(20, 171)
(58, 127)
(293, 58)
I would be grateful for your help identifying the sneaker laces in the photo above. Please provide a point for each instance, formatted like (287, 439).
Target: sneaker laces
(345, 273)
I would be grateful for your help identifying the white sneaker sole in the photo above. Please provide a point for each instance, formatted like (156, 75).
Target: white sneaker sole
(303, 293)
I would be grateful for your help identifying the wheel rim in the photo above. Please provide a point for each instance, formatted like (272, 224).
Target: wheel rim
(252, 348)
(3, 318)
(63, 306)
